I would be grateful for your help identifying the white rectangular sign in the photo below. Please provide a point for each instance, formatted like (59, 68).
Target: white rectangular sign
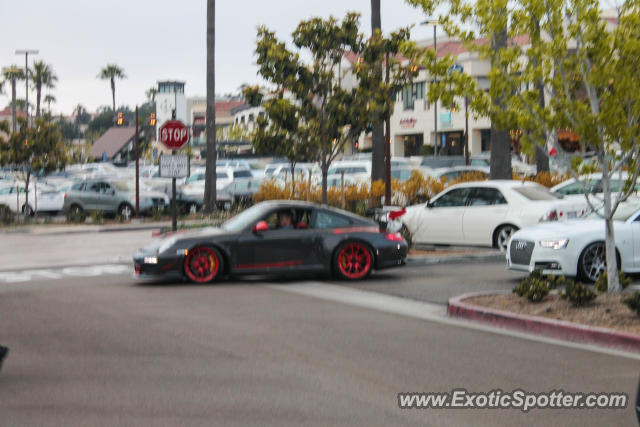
(174, 166)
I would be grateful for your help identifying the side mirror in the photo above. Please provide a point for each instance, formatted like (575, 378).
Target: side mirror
(429, 205)
(260, 227)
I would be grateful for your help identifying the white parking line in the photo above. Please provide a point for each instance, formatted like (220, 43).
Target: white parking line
(425, 311)
(59, 273)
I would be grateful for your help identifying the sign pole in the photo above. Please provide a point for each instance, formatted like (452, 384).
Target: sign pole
(174, 217)
(137, 168)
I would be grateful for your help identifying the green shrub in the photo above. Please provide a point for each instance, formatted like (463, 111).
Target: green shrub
(97, 217)
(633, 302)
(559, 282)
(534, 287)
(6, 216)
(602, 285)
(579, 294)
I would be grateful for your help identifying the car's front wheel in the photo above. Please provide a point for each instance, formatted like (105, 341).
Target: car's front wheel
(203, 264)
(592, 262)
(125, 211)
(353, 261)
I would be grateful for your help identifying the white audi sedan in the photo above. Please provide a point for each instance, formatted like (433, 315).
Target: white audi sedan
(485, 213)
(576, 248)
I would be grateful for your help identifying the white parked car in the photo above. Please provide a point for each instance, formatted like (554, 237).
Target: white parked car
(359, 170)
(572, 189)
(49, 199)
(485, 213)
(576, 248)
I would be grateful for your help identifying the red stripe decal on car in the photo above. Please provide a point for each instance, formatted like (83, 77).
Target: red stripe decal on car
(356, 229)
(269, 265)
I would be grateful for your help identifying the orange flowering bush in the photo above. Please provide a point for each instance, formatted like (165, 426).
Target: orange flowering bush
(548, 179)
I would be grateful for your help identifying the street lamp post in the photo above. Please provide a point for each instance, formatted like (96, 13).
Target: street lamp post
(435, 23)
(26, 53)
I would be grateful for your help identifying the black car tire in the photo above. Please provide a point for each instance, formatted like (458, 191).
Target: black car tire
(126, 211)
(353, 260)
(76, 213)
(27, 210)
(586, 261)
(203, 264)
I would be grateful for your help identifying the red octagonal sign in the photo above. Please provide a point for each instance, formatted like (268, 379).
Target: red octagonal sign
(174, 134)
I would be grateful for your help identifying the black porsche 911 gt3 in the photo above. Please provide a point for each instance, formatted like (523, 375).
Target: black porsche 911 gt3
(276, 237)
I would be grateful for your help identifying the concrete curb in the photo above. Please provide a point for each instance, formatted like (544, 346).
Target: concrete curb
(59, 230)
(454, 259)
(540, 325)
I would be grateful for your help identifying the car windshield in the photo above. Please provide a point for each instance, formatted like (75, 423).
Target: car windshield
(625, 211)
(536, 193)
(245, 219)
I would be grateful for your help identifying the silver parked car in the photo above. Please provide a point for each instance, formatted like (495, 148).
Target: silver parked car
(111, 197)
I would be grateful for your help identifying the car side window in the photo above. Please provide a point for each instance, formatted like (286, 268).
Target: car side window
(95, 187)
(6, 190)
(486, 197)
(453, 198)
(326, 219)
(106, 188)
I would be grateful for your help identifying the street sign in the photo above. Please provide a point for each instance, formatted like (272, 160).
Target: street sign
(174, 134)
(174, 166)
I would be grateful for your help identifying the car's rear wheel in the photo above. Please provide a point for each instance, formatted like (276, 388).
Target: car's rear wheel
(406, 235)
(593, 262)
(353, 261)
(76, 213)
(203, 264)
(502, 236)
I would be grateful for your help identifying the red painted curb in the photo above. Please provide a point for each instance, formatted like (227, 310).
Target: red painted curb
(543, 326)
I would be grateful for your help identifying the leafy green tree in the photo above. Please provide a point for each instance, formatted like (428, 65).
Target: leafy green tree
(318, 109)
(82, 116)
(588, 75)
(282, 134)
(112, 72)
(12, 74)
(36, 148)
(472, 21)
(43, 77)
(151, 94)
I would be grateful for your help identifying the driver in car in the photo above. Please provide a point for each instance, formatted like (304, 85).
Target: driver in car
(285, 220)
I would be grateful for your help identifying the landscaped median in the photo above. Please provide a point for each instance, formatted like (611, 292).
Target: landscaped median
(605, 321)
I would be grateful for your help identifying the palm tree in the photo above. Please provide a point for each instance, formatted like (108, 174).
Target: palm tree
(112, 72)
(49, 99)
(42, 76)
(151, 94)
(13, 74)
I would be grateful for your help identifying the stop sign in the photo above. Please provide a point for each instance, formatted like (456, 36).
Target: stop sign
(174, 134)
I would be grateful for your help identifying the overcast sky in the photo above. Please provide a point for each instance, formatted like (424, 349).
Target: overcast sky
(159, 39)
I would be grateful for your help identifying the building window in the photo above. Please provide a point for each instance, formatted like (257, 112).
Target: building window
(407, 98)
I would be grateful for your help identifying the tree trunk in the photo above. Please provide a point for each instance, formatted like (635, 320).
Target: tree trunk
(13, 105)
(542, 159)
(613, 280)
(325, 168)
(377, 137)
(210, 174)
(500, 160)
(38, 97)
(113, 94)
(26, 192)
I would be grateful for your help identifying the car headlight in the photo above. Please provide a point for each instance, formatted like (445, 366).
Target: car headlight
(167, 244)
(554, 244)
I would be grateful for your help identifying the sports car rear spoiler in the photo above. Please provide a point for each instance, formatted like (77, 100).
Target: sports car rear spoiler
(388, 217)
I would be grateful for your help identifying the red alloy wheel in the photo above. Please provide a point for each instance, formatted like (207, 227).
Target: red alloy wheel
(354, 261)
(202, 264)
